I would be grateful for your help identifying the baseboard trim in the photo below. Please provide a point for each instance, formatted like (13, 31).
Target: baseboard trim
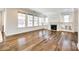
(22, 33)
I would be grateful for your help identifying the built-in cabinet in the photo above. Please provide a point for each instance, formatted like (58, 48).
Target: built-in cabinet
(66, 27)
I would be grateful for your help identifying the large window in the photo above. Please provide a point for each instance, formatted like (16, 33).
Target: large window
(21, 20)
(35, 21)
(45, 22)
(66, 18)
(30, 21)
(40, 21)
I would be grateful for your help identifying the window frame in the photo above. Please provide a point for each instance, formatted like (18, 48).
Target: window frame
(24, 20)
(40, 21)
(66, 18)
(36, 20)
(31, 20)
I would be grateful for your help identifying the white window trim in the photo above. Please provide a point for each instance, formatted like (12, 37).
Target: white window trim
(24, 21)
(66, 18)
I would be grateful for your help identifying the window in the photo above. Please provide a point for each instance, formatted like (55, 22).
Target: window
(21, 20)
(35, 21)
(66, 18)
(45, 21)
(40, 21)
(30, 21)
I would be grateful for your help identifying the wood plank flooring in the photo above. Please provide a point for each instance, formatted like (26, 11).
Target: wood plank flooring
(41, 40)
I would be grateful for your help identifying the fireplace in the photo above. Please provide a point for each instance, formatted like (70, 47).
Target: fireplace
(53, 27)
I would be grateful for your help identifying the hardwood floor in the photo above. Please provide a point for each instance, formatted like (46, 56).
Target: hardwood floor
(41, 40)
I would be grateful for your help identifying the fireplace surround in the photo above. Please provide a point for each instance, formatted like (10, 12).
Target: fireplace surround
(53, 27)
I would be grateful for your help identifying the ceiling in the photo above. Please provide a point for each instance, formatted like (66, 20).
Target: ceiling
(53, 12)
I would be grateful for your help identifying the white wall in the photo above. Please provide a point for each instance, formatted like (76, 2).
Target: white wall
(59, 20)
(1, 39)
(11, 23)
(0, 20)
(75, 22)
(54, 20)
(78, 30)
